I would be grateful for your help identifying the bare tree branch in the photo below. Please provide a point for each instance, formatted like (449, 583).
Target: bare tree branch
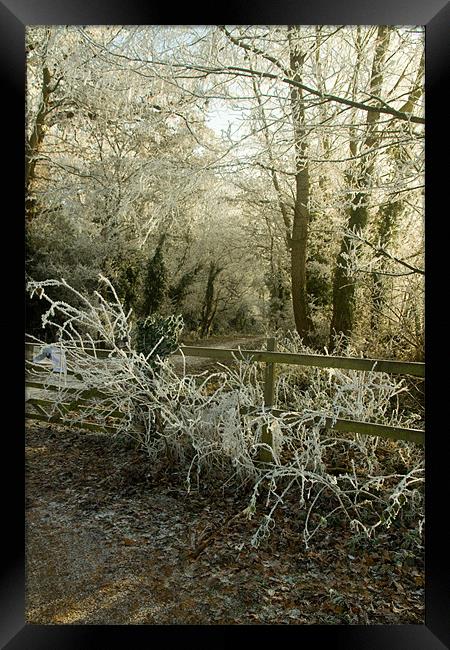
(242, 71)
(382, 251)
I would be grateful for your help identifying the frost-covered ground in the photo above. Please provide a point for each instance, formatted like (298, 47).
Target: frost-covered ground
(110, 539)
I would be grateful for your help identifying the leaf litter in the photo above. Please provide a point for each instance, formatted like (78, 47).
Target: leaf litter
(112, 540)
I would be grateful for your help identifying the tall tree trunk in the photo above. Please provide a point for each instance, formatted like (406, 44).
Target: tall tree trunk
(209, 304)
(299, 242)
(34, 144)
(273, 173)
(342, 321)
(387, 219)
(389, 213)
(299, 238)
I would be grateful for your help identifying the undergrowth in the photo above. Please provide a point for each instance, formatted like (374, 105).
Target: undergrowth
(201, 423)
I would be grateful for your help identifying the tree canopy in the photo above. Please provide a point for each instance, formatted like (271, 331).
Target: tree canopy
(250, 178)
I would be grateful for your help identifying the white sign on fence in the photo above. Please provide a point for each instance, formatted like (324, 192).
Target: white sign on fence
(56, 356)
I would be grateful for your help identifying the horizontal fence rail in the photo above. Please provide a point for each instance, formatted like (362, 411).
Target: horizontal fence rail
(346, 426)
(54, 419)
(269, 357)
(291, 358)
(316, 360)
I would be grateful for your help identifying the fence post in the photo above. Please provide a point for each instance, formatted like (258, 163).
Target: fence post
(265, 455)
(29, 352)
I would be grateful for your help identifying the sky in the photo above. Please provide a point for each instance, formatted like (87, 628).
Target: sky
(220, 116)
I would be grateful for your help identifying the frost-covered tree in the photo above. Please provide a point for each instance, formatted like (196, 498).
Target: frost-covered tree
(311, 118)
(321, 126)
(112, 157)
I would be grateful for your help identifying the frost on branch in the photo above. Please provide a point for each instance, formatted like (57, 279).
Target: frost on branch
(210, 425)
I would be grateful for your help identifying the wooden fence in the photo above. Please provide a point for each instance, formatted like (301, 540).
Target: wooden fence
(270, 357)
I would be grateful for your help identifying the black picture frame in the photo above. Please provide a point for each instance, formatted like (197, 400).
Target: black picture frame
(15, 15)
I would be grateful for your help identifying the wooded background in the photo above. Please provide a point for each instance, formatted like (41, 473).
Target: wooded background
(250, 178)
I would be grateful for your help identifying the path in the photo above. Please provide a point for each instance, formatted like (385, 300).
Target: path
(113, 539)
